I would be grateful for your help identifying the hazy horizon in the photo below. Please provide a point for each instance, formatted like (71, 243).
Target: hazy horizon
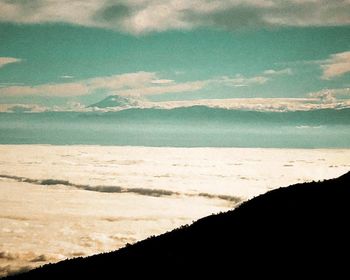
(197, 126)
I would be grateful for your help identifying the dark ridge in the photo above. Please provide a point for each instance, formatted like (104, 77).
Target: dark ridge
(298, 229)
(118, 189)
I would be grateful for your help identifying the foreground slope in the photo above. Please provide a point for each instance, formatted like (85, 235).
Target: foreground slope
(293, 226)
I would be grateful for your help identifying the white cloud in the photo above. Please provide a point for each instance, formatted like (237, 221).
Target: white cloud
(162, 81)
(172, 88)
(142, 16)
(272, 72)
(256, 104)
(123, 81)
(70, 106)
(48, 90)
(338, 64)
(242, 81)
(332, 95)
(66, 77)
(22, 108)
(8, 60)
(136, 84)
(133, 84)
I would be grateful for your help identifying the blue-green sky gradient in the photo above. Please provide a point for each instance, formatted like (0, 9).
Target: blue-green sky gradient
(239, 51)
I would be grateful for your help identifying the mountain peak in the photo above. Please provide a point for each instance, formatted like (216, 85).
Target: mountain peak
(116, 101)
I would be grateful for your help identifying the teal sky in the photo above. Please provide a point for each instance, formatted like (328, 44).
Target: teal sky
(48, 62)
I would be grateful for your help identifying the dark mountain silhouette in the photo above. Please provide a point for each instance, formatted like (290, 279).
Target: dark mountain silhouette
(303, 226)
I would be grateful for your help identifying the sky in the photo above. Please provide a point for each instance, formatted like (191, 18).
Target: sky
(66, 55)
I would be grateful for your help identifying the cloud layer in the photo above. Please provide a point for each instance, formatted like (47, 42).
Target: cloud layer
(261, 104)
(325, 99)
(142, 16)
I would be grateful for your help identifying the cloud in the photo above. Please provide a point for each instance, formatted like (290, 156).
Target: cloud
(332, 95)
(336, 65)
(162, 81)
(40, 258)
(172, 88)
(112, 189)
(142, 16)
(8, 60)
(324, 99)
(70, 106)
(242, 81)
(7, 255)
(14, 261)
(128, 84)
(12, 270)
(22, 108)
(272, 72)
(62, 90)
(312, 102)
(124, 81)
(66, 77)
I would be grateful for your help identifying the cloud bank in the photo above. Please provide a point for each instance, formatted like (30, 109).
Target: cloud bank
(143, 16)
(323, 99)
(313, 102)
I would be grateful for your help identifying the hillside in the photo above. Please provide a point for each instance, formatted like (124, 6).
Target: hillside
(304, 225)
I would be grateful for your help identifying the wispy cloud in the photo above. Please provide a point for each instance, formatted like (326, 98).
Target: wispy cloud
(162, 81)
(8, 60)
(135, 84)
(22, 108)
(242, 81)
(336, 65)
(48, 90)
(142, 16)
(272, 72)
(162, 89)
(66, 77)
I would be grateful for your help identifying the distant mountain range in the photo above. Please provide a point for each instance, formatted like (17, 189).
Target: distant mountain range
(196, 126)
(290, 230)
